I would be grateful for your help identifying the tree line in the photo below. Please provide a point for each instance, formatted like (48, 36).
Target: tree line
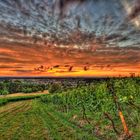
(9, 87)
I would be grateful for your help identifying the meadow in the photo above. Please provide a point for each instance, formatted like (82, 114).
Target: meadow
(102, 110)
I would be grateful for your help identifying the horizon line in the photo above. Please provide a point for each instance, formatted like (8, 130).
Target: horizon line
(61, 77)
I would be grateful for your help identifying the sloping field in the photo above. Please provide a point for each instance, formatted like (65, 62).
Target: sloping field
(33, 120)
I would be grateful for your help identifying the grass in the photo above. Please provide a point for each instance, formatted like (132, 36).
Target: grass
(33, 119)
(5, 100)
(20, 122)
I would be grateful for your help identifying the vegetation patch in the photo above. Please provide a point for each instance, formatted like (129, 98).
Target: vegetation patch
(6, 100)
(106, 109)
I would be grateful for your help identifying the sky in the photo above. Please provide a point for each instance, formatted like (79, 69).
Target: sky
(95, 38)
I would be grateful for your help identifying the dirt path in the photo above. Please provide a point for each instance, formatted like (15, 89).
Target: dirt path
(24, 94)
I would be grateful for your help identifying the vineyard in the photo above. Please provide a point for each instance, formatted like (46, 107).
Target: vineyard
(103, 110)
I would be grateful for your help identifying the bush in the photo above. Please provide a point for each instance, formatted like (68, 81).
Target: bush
(3, 101)
(55, 88)
(4, 92)
(9, 87)
(27, 90)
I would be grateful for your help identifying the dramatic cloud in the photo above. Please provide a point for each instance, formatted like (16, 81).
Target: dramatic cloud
(69, 37)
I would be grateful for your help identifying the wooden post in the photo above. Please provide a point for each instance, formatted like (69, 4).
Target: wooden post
(118, 106)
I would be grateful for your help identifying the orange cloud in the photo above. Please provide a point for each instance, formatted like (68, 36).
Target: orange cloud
(22, 59)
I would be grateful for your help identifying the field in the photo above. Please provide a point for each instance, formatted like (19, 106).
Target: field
(103, 110)
(34, 120)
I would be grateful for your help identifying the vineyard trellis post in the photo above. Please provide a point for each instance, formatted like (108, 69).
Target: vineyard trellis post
(118, 106)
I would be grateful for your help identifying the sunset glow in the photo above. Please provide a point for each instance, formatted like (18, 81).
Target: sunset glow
(21, 61)
(70, 41)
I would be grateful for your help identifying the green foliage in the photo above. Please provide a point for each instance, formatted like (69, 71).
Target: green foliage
(8, 87)
(4, 92)
(94, 100)
(37, 121)
(3, 89)
(3, 101)
(93, 97)
(84, 108)
(27, 90)
(55, 88)
(127, 90)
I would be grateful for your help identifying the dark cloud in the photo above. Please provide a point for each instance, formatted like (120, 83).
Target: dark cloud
(5, 66)
(62, 4)
(135, 10)
(104, 17)
(22, 71)
(56, 66)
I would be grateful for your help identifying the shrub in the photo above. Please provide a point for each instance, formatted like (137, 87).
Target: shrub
(55, 88)
(27, 90)
(4, 92)
(3, 101)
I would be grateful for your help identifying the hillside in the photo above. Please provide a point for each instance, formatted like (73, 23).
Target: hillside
(105, 110)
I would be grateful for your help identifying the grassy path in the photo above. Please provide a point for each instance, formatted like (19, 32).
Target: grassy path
(33, 120)
(24, 94)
